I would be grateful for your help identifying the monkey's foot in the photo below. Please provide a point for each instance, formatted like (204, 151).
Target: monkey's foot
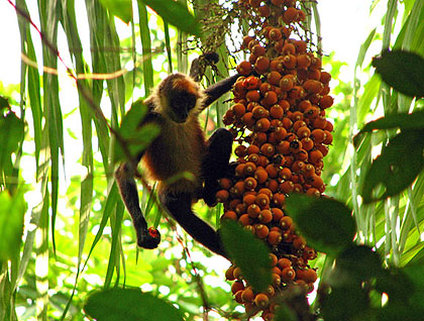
(149, 239)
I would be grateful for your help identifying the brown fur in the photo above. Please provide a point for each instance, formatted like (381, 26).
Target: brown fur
(180, 147)
(186, 84)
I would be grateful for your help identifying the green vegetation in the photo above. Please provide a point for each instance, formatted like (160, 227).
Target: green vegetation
(67, 247)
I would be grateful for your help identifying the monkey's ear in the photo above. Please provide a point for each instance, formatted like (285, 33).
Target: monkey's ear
(198, 66)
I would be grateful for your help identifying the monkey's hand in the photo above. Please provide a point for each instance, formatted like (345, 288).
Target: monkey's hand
(148, 238)
(198, 66)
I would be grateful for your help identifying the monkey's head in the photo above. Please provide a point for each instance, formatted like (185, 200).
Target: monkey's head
(179, 96)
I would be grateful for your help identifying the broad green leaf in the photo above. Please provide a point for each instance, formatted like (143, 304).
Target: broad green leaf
(129, 304)
(250, 254)
(390, 173)
(174, 13)
(4, 103)
(326, 224)
(12, 210)
(284, 313)
(11, 134)
(396, 312)
(414, 120)
(137, 138)
(119, 8)
(345, 303)
(133, 118)
(360, 262)
(402, 70)
(396, 284)
(415, 274)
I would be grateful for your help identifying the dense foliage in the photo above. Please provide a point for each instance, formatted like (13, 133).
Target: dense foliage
(67, 248)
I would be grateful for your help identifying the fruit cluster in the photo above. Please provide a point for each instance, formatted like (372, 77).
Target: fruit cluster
(278, 120)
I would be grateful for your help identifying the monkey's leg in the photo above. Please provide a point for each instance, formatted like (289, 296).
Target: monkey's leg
(215, 164)
(147, 238)
(179, 206)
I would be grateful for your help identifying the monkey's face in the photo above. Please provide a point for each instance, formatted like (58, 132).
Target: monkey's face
(180, 95)
(181, 103)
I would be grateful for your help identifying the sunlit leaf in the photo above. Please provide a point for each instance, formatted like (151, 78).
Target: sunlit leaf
(119, 8)
(11, 131)
(12, 210)
(390, 174)
(249, 253)
(176, 14)
(133, 118)
(367, 99)
(364, 48)
(326, 223)
(129, 304)
(136, 138)
(146, 47)
(11, 134)
(402, 70)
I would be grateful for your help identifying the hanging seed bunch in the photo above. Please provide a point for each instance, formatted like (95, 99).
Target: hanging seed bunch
(278, 120)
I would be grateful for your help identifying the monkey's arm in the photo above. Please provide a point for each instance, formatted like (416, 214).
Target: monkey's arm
(217, 90)
(147, 238)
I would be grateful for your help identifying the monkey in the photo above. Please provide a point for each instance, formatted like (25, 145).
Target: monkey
(181, 146)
